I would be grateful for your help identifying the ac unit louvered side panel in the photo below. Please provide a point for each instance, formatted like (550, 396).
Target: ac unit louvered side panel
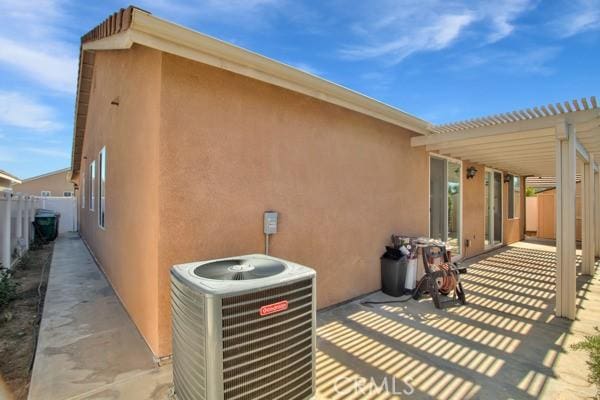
(269, 357)
(189, 374)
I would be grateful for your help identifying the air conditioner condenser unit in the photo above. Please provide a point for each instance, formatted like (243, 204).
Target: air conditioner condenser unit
(243, 329)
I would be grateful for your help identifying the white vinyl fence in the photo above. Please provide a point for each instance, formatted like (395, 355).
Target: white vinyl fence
(16, 232)
(67, 207)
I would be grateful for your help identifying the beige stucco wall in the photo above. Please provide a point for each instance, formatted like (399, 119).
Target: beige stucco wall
(547, 214)
(474, 209)
(514, 228)
(197, 154)
(232, 147)
(127, 249)
(56, 183)
(5, 183)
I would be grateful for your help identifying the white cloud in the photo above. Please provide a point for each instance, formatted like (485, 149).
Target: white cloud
(35, 45)
(580, 16)
(248, 10)
(20, 111)
(529, 61)
(305, 67)
(54, 70)
(7, 155)
(437, 35)
(395, 32)
(502, 15)
(54, 153)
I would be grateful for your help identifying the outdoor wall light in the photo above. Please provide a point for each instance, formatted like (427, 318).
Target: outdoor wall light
(507, 178)
(471, 172)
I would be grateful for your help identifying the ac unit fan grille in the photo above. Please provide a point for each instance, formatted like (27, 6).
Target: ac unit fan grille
(268, 357)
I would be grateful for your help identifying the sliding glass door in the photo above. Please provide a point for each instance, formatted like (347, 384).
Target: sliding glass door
(445, 202)
(493, 208)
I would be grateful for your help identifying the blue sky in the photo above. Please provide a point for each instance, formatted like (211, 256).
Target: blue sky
(441, 60)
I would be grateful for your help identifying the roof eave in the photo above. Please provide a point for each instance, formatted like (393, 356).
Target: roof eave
(148, 30)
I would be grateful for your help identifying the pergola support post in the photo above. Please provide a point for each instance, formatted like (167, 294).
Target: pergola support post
(588, 242)
(565, 221)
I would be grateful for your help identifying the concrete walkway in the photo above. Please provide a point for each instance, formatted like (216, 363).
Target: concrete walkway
(88, 347)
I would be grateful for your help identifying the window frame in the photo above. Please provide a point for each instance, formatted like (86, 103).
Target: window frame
(42, 193)
(70, 194)
(92, 184)
(514, 205)
(82, 188)
(102, 188)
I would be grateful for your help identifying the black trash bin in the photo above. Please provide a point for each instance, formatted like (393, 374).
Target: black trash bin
(47, 225)
(393, 272)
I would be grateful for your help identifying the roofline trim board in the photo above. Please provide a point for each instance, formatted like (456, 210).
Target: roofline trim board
(7, 176)
(59, 171)
(588, 119)
(148, 30)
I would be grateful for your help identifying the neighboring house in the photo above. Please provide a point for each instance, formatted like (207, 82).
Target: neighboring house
(182, 141)
(7, 180)
(541, 183)
(56, 184)
(543, 205)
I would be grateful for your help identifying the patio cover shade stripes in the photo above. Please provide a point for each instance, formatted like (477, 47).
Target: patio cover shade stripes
(553, 140)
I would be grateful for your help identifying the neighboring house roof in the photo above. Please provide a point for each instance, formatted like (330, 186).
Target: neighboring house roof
(544, 182)
(133, 25)
(9, 177)
(60, 171)
(519, 115)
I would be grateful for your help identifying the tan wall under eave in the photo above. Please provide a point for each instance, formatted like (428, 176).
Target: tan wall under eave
(513, 227)
(127, 249)
(232, 147)
(57, 184)
(547, 214)
(474, 210)
(5, 183)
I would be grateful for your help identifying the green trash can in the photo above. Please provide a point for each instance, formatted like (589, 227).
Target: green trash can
(46, 225)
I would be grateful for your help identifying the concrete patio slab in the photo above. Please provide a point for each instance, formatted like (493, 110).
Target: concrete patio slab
(88, 347)
(505, 344)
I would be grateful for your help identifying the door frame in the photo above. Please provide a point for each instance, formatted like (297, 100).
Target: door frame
(455, 256)
(492, 245)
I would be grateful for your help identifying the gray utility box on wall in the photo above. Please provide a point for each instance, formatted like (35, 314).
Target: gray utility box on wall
(270, 222)
(243, 328)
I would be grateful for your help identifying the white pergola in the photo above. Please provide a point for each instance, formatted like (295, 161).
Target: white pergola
(544, 141)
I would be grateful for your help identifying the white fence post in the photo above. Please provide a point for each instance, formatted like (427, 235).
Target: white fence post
(27, 222)
(34, 203)
(19, 200)
(5, 216)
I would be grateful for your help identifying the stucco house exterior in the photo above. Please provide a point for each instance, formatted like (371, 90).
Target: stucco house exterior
(182, 141)
(55, 183)
(7, 180)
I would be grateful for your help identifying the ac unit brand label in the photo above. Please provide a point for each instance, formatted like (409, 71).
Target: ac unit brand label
(274, 308)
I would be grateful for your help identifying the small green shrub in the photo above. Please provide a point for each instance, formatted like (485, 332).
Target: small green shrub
(8, 287)
(591, 345)
(530, 192)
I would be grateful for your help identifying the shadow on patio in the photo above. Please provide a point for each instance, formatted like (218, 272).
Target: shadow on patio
(506, 343)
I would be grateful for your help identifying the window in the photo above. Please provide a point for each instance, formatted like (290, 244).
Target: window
(514, 197)
(67, 194)
(45, 193)
(82, 190)
(92, 184)
(445, 198)
(101, 186)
